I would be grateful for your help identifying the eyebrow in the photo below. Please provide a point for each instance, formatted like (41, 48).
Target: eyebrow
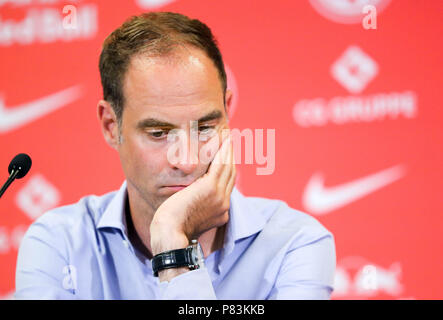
(152, 123)
(213, 115)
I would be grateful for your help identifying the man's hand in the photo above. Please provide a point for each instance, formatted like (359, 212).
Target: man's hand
(197, 208)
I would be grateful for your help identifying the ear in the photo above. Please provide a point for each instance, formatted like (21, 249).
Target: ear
(228, 101)
(108, 123)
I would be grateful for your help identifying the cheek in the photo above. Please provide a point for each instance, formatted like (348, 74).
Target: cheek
(150, 161)
(144, 157)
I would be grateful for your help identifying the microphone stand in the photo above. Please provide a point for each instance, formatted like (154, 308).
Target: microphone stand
(11, 178)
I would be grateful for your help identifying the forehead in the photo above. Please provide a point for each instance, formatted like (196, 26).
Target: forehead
(186, 77)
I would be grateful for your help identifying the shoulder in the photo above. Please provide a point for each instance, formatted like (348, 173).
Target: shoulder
(72, 218)
(282, 219)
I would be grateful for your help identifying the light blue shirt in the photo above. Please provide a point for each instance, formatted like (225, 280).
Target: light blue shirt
(82, 251)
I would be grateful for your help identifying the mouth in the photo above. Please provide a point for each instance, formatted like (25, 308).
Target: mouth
(175, 187)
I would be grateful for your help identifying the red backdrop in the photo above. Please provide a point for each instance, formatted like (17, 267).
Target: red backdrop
(356, 113)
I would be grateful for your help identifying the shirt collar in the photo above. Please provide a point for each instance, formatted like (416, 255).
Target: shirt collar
(244, 220)
(113, 216)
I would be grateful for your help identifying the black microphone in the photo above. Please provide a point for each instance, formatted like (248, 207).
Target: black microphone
(17, 169)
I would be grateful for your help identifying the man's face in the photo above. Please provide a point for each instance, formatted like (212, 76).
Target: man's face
(162, 94)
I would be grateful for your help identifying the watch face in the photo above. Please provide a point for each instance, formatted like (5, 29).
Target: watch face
(197, 255)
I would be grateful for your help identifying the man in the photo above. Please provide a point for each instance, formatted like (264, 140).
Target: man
(162, 73)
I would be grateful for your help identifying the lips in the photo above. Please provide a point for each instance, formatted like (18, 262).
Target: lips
(175, 188)
(178, 185)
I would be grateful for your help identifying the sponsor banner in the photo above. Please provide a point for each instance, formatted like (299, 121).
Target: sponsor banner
(336, 107)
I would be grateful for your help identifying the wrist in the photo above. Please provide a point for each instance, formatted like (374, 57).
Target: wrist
(163, 239)
(168, 265)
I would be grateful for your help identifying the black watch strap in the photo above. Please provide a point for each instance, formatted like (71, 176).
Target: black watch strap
(171, 259)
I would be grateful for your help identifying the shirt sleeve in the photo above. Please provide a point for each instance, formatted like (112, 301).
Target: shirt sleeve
(192, 285)
(307, 272)
(42, 270)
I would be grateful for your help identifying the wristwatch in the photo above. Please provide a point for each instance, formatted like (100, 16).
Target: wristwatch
(191, 257)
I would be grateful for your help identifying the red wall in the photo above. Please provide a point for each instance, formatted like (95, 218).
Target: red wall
(356, 112)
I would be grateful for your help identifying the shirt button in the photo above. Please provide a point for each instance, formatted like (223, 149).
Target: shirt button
(125, 243)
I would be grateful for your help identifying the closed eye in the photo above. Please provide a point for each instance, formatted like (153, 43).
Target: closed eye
(206, 129)
(158, 134)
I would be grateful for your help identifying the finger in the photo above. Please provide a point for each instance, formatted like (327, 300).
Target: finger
(231, 181)
(226, 172)
(209, 151)
(216, 166)
(233, 174)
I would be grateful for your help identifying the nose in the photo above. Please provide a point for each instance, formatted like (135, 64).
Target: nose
(188, 150)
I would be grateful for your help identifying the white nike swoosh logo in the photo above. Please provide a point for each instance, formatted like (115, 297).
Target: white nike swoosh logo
(320, 200)
(15, 117)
